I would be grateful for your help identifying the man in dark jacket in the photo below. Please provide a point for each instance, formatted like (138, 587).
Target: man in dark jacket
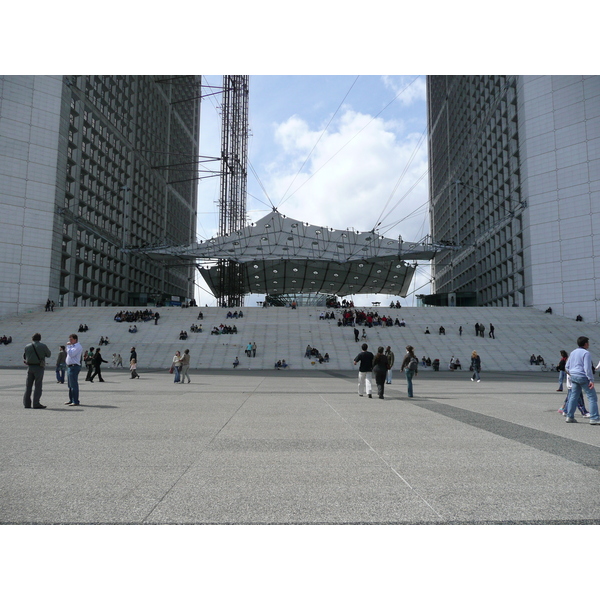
(365, 371)
(34, 357)
(97, 362)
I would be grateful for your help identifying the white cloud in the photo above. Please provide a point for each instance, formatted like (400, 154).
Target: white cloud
(359, 174)
(410, 89)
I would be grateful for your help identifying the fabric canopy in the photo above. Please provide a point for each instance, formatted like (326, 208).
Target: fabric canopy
(279, 255)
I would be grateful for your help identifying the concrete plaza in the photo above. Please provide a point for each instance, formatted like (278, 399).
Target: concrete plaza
(296, 447)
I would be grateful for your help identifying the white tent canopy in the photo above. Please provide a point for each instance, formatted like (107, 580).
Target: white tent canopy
(280, 255)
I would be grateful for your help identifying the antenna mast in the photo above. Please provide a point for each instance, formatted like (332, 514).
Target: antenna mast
(234, 163)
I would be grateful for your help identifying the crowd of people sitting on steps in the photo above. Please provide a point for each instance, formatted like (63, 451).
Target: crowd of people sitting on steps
(536, 360)
(223, 329)
(368, 319)
(234, 315)
(130, 316)
(313, 353)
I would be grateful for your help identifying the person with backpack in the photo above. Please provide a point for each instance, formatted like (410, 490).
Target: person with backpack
(410, 366)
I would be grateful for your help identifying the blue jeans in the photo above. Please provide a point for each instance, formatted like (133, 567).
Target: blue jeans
(177, 371)
(475, 375)
(72, 375)
(60, 372)
(409, 376)
(561, 379)
(580, 384)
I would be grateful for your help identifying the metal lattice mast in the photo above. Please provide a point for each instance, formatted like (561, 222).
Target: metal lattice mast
(234, 162)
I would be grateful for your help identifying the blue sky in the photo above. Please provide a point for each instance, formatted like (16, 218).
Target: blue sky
(343, 151)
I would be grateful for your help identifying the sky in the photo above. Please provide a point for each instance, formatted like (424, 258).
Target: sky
(342, 151)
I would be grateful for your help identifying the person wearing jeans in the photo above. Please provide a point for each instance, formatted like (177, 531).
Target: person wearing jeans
(407, 362)
(579, 368)
(390, 358)
(61, 366)
(74, 356)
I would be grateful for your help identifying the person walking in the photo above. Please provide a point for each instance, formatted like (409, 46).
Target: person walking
(356, 334)
(561, 370)
(97, 361)
(88, 360)
(410, 366)
(34, 357)
(74, 357)
(177, 366)
(475, 366)
(380, 369)
(61, 365)
(253, 349)
(365, 370)
(185, 366)
(492, 329)
(579, 368)
(390, 359)
(133, 369)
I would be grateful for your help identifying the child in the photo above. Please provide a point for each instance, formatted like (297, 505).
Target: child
(133, 369)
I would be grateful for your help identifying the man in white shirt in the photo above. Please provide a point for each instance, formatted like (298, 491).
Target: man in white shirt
(579, 367)
(74, 356)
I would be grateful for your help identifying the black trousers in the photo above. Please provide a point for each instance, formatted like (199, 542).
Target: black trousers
(380, 375)
(97, 372)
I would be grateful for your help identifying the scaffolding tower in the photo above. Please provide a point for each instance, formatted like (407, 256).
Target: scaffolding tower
(234, 161)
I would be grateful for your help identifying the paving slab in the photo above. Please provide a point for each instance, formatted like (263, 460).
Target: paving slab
(296, 447)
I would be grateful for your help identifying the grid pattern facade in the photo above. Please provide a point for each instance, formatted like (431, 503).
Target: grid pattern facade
(525, 215)
(118, 158)
(475, 188)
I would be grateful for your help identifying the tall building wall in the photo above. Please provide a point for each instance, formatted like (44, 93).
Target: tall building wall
(91, 166)
(475, 191)
(514, 184)
(559, 133)
(30, 135)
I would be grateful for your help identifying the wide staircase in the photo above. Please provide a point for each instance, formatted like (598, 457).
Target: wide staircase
(284, 333)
